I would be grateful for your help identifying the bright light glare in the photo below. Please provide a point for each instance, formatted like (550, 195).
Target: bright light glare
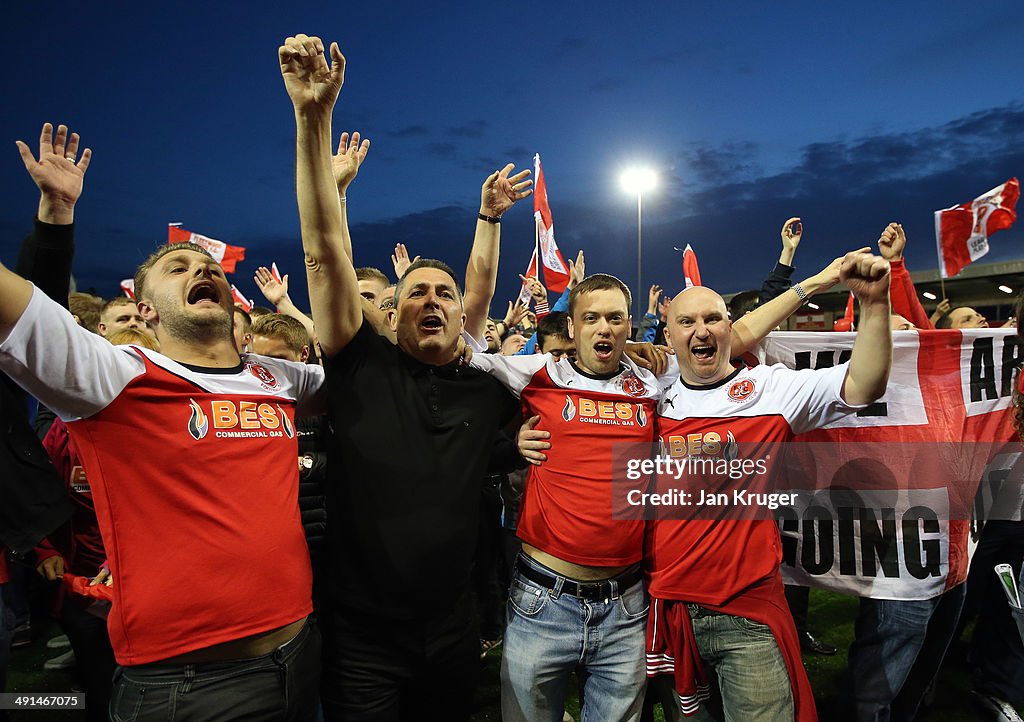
(929, 295)
(1006, 289)
(814, 306)
(638, 180)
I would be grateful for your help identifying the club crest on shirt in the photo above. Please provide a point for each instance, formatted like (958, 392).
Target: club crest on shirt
(742, 390)
(263, 375)
(633, 386)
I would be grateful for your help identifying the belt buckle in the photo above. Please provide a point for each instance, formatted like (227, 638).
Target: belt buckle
(593, 591)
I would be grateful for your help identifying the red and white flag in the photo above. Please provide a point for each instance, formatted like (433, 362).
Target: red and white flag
(276, 273)
(556, 274)
(691, 273)
(128, 287)
(241, 300)
(961, 232)
(531, 272)
(226, 255)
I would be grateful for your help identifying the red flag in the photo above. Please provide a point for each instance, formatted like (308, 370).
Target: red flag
(276, 273)
(531, 272)
(961, 232)
(691, 273)
(556, 274)
(846, 322)
(128, 287)
(227, 256)
(241, 300)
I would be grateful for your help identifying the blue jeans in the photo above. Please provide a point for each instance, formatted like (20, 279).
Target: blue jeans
(752, 675)
(897, 650)
(283, 685)
(550, 634)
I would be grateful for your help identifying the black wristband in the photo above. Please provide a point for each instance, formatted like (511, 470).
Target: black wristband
(489, 219)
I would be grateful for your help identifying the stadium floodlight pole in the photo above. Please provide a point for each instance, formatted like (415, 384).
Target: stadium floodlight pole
(639, 180)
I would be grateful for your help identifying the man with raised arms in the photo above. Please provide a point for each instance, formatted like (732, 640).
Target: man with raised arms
(210, 486)
(413, 432)
(715, 583)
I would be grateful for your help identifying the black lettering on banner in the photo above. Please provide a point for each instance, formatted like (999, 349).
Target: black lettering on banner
(823, 360)
(847, 547)
(983, 372)
(922, 558)
(879, 408)
(786, 518)
(1012, 355)
(817, 542)
(826, 360)
(879, 542)
(996, 479)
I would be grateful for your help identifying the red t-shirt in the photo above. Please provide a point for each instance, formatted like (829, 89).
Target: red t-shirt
(567, 508)
(712, 561)
(193, 476)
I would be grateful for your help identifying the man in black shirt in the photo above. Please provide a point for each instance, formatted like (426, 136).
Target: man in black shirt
(412, 434)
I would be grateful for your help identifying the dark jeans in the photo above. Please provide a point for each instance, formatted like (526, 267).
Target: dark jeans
(997, 655)
(279, 686)
(897, 650)
(386, 669)
(94, 658)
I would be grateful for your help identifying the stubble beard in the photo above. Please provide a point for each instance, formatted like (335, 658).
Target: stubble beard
(191, 328)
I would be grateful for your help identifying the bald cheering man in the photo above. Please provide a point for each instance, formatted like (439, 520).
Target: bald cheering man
(716, 590)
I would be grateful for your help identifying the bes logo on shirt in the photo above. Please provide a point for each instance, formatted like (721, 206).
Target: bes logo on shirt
(608, 413)
(239, 420)
(709, 443)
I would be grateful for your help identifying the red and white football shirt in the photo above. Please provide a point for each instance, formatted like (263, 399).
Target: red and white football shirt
(567, 509)
(193, 476)
(712, 561)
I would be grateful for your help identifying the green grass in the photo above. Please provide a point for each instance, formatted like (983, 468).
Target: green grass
(831, 619)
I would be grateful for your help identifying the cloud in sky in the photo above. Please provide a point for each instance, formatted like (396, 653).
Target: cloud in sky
(720, 199)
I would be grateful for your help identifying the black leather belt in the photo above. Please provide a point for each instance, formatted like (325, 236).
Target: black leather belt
(591, 591)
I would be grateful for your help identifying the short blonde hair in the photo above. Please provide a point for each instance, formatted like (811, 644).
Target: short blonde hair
(285, 328)
(133, 337)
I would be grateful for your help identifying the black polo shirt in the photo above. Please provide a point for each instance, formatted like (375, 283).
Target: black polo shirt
(408, 453)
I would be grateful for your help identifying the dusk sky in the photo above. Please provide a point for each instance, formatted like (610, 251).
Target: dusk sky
(849, 115)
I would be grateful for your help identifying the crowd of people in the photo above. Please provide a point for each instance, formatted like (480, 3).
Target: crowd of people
(281, 515)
